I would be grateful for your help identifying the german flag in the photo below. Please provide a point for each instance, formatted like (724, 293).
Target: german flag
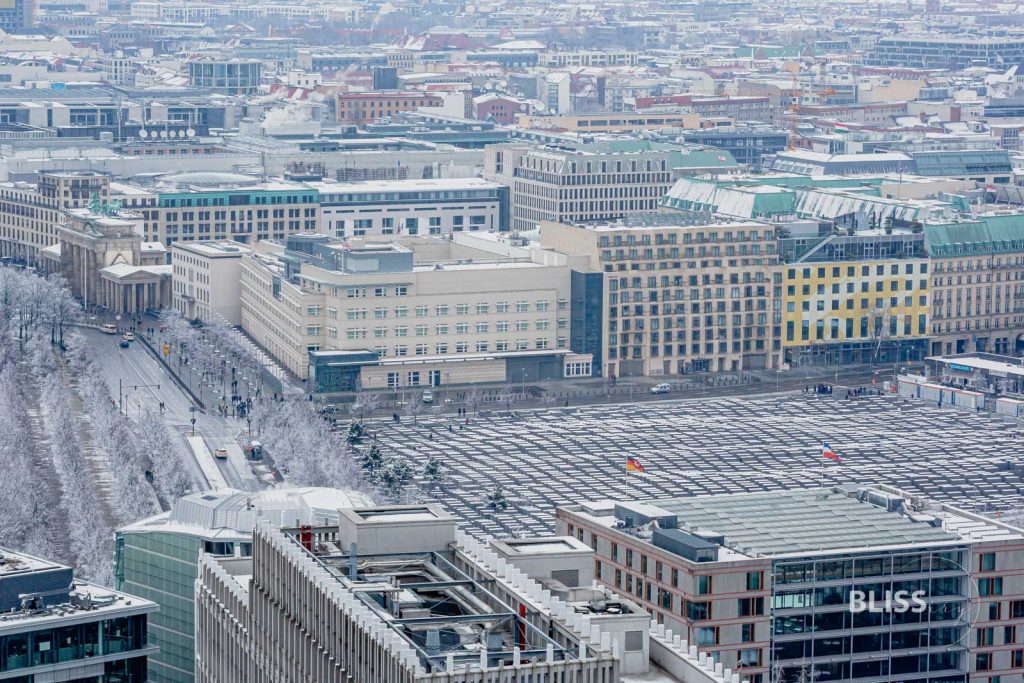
(633, 465)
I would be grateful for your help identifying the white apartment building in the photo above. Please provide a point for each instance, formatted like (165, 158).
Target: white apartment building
(412, 207)
(675, 293)
(416, 311)
(206, 280)
(595, 181)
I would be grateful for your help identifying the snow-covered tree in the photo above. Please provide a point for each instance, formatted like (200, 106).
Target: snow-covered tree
(496, 500)
(434, 473)
(165, 452)
(371, 461)
(355, 433)
(394, 478)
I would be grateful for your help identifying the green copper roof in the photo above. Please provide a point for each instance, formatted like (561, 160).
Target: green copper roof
(983, 235)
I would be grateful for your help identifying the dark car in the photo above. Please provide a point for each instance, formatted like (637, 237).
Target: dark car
(124, 344)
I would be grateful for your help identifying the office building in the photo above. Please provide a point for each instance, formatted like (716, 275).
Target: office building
(207, 205)
(584, 182)
(861, 298)
(844, 582)
(206, 280)
(411, 311)
(939, 51)
(227, 76)
(977, 285)
(412, 207)
(16, 15)
(31, 212)
(397, 594)
(361, 108)
(608, 123)
(54, 627)
(746, 144)
(682, 292)
(158, 557)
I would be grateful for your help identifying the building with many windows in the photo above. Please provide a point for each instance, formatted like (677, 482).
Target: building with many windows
(977, 284)
(227, 76)
(54, 627)
(206, 205)
(681, 293)
(412, 207)
(411, 312)
(31, 212)
(937, 51)
(361, 108)
(836, 583)
(206, 280)
(858, 298)
(593, 181)
(158, 557)
(397, 594)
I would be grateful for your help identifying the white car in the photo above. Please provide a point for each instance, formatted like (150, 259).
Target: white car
(428, 397)
(221, 453)
(662, 388)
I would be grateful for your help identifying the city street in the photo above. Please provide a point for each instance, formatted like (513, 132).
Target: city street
(139, 380)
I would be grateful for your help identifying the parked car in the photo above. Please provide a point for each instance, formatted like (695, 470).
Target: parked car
(428, 396)
(221, 453)
(662, 388)
(108, 328)
(129, 336)
(123, 344)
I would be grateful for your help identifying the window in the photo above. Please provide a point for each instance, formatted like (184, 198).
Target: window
(707, 636)
(401, 311)
(987, 562)
(441, 329)
(704, 584)
(753, 581)
(462, 347)
(698, 611)
(993, 586)
(985, 637)
(750, 607)
(462, 309)
(747, 633)
(983, 661)
(421, 349)
(461, 328)
(501, 307)
(522, 306)
(751, 657)
(401, 290)
(483, 309)
(422, 311)
(421, 330)
(481, 347)
(380, 291)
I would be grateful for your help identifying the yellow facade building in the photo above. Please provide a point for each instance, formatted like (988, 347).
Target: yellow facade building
(856, 311)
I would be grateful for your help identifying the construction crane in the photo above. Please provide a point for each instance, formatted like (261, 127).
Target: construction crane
(794, 106)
